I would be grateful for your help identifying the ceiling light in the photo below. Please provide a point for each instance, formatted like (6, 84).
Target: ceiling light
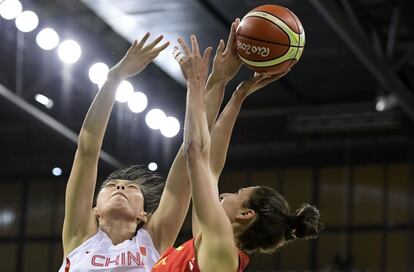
(170, 127)
(47, 39)
(27, 21)
(155, 118)
(69, 51)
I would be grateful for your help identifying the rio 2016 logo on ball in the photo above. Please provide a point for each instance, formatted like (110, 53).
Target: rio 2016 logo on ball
(270, 39)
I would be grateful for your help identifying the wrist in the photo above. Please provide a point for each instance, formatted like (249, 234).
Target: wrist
(214, 78)
(195, 82)
(115, 75)
(240, 94)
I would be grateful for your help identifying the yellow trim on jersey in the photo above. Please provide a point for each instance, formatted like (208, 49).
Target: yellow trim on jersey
(162, 261)
(179, 248)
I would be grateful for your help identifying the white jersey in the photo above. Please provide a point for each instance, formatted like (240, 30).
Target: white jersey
(99, 254)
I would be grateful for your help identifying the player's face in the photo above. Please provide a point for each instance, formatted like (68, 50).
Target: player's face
(120, 199)
(234, 203)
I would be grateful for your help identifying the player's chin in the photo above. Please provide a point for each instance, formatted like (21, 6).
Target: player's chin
(122, 212)
(119, 205)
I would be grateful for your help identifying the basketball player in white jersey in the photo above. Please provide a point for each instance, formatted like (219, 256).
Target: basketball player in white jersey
(108, 237)
(126, 231)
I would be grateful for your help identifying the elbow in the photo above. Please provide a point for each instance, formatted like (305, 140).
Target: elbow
(86, 146)
(193, 150)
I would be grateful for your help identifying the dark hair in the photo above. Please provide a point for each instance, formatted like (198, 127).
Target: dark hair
(274, 226)
(150, 183)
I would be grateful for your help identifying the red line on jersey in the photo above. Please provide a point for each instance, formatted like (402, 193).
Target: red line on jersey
(67, 266)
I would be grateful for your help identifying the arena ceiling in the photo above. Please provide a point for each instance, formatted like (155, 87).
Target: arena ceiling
(322, 112)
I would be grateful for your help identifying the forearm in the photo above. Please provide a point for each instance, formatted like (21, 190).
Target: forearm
(96, 120)
(196, 133)
(222, 131)
(178, 182)
(213, 98)
(197, 152)
(212, 102)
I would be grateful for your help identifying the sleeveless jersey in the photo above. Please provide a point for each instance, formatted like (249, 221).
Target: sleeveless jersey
(182, 259)
(99, 254)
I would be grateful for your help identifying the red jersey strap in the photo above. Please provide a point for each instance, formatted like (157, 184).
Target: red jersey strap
(243, 260)
(182, 259)
(67, 266)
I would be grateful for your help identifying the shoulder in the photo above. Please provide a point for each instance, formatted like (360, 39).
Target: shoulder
(144, 240)
(71, 239)
(94, 239)
(178, 259)
(149, 230)
(215, 255)
(145, 237)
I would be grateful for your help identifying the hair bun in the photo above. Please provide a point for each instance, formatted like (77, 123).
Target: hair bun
(304, 224)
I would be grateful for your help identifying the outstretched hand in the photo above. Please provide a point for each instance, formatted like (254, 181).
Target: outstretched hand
(257, 82)
(138, 57)
(193, 66)
(226, 62)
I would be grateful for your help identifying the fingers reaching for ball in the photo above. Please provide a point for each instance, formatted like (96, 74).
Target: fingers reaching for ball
(258, 81)
(194, 66)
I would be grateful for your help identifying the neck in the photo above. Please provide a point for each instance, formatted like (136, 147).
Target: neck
(117, 230)
(239, 227)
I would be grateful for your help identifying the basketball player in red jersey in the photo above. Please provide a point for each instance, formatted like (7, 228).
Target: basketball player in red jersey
(225, 228)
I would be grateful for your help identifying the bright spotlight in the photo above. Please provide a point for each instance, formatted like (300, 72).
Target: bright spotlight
(170, 127)
(98, 73)
(152, 166)
(137, 102)
(9, 9)
(155, 118)
(124, 91)
(44, 100)
(47, 39)
(57, 171)
(27, 21)
(69, 51)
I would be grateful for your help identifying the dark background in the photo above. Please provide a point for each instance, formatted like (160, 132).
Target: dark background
(315, 135)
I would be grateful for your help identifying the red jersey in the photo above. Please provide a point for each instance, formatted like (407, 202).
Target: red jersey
(182, 259)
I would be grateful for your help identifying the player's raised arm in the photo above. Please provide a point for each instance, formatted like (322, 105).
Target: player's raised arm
(217, 248)
(80, 222)
(226, 64)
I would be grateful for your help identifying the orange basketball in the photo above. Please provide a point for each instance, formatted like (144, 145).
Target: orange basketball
(270, 39)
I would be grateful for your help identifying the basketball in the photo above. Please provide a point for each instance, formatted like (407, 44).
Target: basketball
(270, 38)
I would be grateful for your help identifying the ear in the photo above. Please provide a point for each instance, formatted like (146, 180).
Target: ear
(246, 214)
(143, 217)
(95, 212)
